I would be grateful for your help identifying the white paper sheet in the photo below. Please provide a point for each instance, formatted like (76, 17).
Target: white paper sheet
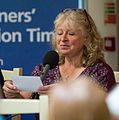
(27, 83)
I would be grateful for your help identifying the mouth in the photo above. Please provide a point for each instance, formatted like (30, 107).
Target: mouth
(64, 46)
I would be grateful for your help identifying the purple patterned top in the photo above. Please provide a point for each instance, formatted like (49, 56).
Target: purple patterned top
(100, 71)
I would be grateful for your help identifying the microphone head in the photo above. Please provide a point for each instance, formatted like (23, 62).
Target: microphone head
(51, 58)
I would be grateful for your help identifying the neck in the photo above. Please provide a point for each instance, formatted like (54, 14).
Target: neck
(70, 71)
(73, 62)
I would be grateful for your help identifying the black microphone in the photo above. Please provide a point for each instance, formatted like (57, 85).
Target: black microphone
(50, 61)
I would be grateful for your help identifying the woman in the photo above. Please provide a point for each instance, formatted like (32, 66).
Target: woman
(79, 46)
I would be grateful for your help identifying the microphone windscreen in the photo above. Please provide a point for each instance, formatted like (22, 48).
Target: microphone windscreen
(51, 58)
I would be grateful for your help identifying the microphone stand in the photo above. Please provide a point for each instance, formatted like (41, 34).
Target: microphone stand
(35, 95)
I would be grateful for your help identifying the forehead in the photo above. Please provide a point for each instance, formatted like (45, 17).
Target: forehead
(68, 24)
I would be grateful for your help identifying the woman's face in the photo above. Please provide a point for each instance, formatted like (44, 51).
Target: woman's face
(69, 40)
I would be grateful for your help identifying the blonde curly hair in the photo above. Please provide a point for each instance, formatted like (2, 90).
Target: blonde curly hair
(82, 20)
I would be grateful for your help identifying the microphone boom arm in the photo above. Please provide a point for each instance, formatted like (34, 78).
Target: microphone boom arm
(45, 71)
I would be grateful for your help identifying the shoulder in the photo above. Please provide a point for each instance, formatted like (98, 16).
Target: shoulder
(103, 73)
(54, 73)
(53, 76)
(37, 70)
(100, 67)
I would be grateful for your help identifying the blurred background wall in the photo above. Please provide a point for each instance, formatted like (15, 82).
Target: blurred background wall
(105, 13)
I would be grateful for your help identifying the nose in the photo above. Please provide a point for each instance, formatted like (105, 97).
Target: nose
(64, 37)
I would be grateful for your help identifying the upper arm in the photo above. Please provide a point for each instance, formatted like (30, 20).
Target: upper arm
(105, 76)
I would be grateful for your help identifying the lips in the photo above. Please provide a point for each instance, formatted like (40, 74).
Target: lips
(64, 46)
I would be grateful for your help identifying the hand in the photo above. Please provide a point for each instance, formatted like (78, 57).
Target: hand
(10, 90)
(45, 89)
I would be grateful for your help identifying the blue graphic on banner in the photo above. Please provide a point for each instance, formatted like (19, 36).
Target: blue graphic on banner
(26, 30)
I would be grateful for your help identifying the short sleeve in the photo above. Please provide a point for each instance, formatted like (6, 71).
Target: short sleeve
(103, 73)
(37, 70)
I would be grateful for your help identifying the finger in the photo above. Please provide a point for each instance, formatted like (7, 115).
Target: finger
(9, 90)
(11, 95)
(43, 92)
(9, 84)
(47, 87)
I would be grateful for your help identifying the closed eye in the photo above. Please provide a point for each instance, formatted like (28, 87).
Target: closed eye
(59, 32)
(71, 34)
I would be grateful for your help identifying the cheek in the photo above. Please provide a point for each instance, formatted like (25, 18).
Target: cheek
(57, 44)
(78, 44)
(57, 39)
(75, 42)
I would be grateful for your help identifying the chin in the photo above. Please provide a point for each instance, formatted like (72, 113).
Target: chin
(65, 53)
